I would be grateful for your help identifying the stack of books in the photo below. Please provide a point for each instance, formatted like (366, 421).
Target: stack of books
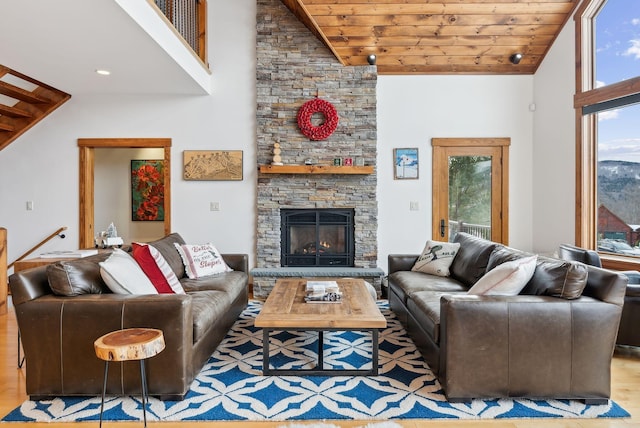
(323, 292)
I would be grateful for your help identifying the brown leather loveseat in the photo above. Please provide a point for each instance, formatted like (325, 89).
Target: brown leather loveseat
(553, 340)
(58, 331)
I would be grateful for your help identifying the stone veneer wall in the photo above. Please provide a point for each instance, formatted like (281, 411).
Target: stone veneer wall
(293, 66)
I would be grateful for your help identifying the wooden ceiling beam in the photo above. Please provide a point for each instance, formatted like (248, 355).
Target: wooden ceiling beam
(467, 8)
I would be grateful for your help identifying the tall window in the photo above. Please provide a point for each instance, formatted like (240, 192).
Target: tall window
(608, 111)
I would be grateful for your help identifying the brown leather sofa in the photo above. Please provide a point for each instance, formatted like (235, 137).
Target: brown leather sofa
(553, 340)
(629, 332)
(58, 331)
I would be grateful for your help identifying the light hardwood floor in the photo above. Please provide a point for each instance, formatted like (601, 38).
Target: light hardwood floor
(625, 391)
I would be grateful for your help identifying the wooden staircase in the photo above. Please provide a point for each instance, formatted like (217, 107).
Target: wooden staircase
(24, 102)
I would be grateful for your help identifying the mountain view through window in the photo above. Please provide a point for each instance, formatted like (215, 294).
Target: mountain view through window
(617, 58)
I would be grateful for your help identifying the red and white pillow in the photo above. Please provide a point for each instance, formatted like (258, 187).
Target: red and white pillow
(201, 260)
(156, 268)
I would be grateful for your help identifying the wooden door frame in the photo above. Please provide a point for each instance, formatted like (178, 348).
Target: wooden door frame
(87, 148)
(498, 211)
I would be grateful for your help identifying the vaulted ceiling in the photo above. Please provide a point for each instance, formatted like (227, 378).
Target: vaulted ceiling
(437, 37)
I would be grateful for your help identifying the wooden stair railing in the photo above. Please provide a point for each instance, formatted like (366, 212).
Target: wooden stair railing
(4, 284)
(32, 104)
(40, 244)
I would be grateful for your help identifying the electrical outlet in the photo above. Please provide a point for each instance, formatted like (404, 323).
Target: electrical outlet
(29, 205)
(413, 206)
(214, 206)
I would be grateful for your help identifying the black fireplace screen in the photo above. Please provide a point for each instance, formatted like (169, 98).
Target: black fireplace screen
(317, 237)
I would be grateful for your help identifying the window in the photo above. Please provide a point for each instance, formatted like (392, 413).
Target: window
(607, 105)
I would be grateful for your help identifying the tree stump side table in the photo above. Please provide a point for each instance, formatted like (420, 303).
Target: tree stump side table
(127, 345)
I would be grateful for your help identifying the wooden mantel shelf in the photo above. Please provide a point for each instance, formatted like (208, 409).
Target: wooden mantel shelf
(315, 169)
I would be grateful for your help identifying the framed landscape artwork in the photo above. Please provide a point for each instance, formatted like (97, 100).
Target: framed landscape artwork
(405, 163)
(213, 165)
(147, 190)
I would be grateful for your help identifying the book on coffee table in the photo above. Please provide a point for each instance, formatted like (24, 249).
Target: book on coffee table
(323, 292)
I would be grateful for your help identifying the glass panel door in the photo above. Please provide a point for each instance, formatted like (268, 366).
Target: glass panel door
(470, 188)
(470, 196)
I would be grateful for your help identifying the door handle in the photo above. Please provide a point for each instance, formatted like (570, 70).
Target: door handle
(442, 228)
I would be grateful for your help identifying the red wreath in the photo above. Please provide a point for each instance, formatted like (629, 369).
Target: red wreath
(324, 130)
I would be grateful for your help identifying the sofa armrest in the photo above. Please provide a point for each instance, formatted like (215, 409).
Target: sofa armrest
(398, 262)
(238, 262)
(58, 334)
(536, 346)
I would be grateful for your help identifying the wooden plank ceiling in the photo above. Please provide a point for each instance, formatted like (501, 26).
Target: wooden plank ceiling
(437, 37)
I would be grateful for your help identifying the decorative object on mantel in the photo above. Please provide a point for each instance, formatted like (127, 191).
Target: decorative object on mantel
(326, 128)
(315, 169)
(277, 159)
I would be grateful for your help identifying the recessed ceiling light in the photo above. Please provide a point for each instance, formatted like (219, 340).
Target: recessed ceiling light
(103, 72)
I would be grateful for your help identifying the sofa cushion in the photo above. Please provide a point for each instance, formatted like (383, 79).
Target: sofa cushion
(123, 275)
(232, 283)
(201, 260)
(156, 268)
(558, 278)
(503, 254)
(169, 252)
(208, 307)
(471, 261)
(507, 279)
(552, 277)
(77, 276)
(436, 258)
(406, 283)
(425, 308)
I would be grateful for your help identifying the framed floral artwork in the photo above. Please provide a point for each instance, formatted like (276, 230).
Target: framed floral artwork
(405, 163)
(147, 190)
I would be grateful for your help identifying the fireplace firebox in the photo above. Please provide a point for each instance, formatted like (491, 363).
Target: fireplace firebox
(317, 237)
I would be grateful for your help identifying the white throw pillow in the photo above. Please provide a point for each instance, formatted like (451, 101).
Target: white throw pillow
(436, 258)
(507, 279)
(123, 275)
(201, 260)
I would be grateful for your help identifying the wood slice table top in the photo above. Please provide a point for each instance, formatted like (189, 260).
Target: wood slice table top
(286, 307)
(129, 344)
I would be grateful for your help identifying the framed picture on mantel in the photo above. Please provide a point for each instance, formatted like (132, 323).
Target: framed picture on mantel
(405, 164)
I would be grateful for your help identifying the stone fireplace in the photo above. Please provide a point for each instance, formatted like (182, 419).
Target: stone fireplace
(293, 66)
(312, 237)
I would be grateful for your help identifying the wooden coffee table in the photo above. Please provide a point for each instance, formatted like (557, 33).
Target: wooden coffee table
(286, 310)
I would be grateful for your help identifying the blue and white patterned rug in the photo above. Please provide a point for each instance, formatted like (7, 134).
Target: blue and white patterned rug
(231, 386)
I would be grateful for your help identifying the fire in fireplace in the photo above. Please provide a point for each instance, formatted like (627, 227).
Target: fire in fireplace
(317, 237)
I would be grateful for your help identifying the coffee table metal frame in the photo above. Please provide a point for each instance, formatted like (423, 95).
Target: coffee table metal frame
(319, 370)
(285, 310)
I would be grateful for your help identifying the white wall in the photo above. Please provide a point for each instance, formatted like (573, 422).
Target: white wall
(554, 146)
(414, 109)
(42, 165)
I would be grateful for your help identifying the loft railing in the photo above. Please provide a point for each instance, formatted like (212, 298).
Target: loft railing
(479, 230)
(189, 17)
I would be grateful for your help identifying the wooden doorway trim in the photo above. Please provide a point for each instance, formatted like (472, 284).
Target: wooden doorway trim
(87, 148)
(442, 148)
